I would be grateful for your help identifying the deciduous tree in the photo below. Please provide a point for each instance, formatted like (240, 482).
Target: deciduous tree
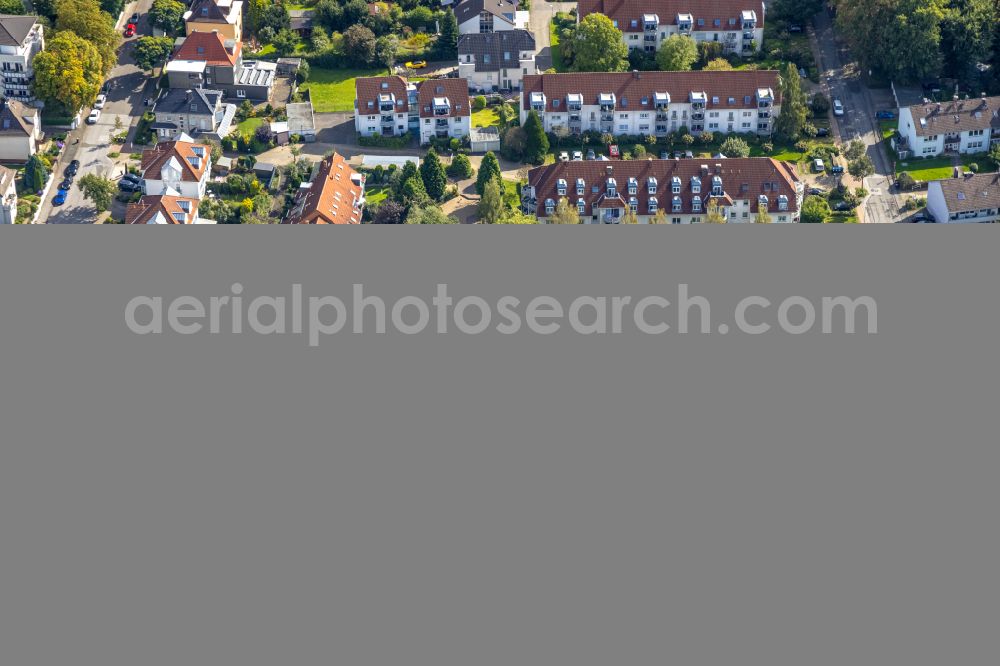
(564, 213)
(793, 114)
(428, 214)
(99, 190)
(85, 19)
(678, 53)
(167, 15)
(735, 146)
(68, 71)
(598, 46)
(151, 52)
(815, 210)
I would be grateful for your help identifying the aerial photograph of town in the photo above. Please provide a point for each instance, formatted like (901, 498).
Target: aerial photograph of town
(500, 112)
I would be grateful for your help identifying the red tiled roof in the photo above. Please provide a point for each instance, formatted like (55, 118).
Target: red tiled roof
(367, 89)
(149, 205)
(456, 90)
(333, 198)
(209, 47)
(192, 164)
(625, 11)
(742, 179)
(725, 86)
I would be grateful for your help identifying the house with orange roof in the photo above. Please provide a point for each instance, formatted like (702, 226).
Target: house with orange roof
(177, 168)
(164, 209)
(209, 60)
(335, 196)
(392, 106)
(226, 16)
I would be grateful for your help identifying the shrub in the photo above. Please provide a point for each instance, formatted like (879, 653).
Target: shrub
(397, 142)
(974, 168)
(460, 167)
(707, 138)
(479, 103)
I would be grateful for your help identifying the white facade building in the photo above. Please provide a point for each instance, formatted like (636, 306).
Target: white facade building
(654, 103)
(488, 16)
(496, 61)
(391, 106)
(958, 126)
(21, 39)
(177, 168)
(967, 198)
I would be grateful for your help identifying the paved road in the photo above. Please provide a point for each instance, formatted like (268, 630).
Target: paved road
(841, 79)
(541, 14)
(124, 102)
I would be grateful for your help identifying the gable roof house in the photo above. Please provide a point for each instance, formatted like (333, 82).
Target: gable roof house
(20, 131)
(21, 39)
(601, 192)
(208, 60)
(737, 24)
(392, 106)
(178, 168)
(192, 111)
(444, 109)
(224, 16)
(496, 61)
(484, 16)
(958, 126)
(966, 198)
(335, 196)
(164, 209)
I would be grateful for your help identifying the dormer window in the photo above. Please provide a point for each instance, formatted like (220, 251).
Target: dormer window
(652, 205)
(651, 185)
(633, 204)
(606, 101)
(612, 187)
(538, 101)
(765, 97)
(696, 205)
(675, 185)
(677, 204)
(696, 184)
(661, 100)
(561, 187)
(550, 206)
(684, 22)
(782, 202)
(716, 186)
(581, 206)
(650, 21)
(697, 99)
(581, 187)
(385, 85)
(762, 201)
(574, 101)
(633, 185)
(749, 19)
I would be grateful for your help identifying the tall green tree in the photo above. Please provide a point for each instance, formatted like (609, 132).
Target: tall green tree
(537, 145)
(447, 41)
(433, 176)
(489, 169)
(491, 205)
(794, 11)
(386, 48)
(564, 213)
(151, 52)
(86, 20)
(12, 7)
(735, 146)
(678, 53)
(967, 35)
(598, 46)
(898, 40)
(714, 215)
(359, 45)
(168, 15)
(762, 216)
(35, 174)
(794, 110)
(99, 190)
(68, 71)
(815, 210)
(428, 214)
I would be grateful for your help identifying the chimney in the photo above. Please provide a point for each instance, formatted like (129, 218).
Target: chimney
(956, 172)
(704, 169)
(718, 169)
(636, 74)
(189, 94)
(610, 169)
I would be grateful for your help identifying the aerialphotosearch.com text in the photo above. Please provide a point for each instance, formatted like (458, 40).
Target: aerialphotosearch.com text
(317, 317)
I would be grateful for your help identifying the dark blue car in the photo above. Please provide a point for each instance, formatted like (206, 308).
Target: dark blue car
(60, 198)
(885, 115)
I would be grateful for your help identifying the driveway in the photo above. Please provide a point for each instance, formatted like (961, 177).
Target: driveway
(841, 79)
(541, 15)
(91, 143)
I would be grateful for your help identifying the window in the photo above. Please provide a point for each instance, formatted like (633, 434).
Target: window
(550, 206)
(581, 206)
(675, 184)
(486, 58)
(561, 187)
(677, 204)
(241, 93)
(581, 187)
(506, 55)
(652, 205)
(696, 205)
(555, 104)
(651, 185)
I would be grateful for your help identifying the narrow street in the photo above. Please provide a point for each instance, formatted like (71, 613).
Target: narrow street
(125, 103)
(541, 15)
(840, 79)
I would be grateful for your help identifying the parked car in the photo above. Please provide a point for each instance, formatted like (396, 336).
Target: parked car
(577, 156)
(416, 64)
(591, 155)
(664, 155)
(838, 107)
(885, 115)
(99, 102)
(836, 169)
(135, 178)
(129, 186)
(823, 131)
(135, 18)
(818, 165)
(678, 154)
(73, 167)
(842, 206)
(613, 151)
(66, 184)
(106, 88)
(921, 218)
(564, 156)
(60, 198)
(94, 115)
(817, 191)
(795, 28)
(130, 30)
(688, 154)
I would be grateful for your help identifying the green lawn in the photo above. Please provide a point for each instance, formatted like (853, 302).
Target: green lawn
(557, 59)
(887, 128)
(510, 194)
(267, 49)
(249, 125)
(332, 90)
(936, 168)
(376, 194)
(486, 117)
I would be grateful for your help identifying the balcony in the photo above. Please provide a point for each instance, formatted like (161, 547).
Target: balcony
(441, 123)
(388, 120)
(698, 115)
(661, 116)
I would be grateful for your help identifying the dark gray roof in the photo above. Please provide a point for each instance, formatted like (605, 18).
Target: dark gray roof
(496, 45)
(971, 192)
(206, 10)
(178, 100)
(300, 22)
(14, 118)
(13, 29)
(467, 9)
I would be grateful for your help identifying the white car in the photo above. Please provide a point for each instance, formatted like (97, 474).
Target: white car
(99, 102)
(838, 108)
(94, 115)
(577, 156)
(564, 156)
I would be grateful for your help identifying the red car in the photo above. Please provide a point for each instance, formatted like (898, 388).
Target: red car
(130, 30)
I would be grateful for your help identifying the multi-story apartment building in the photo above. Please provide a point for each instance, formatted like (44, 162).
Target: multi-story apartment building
(21, 39)
(958, 126)
(486, 16)
(601, 192)
(654, 103)
(176, 168)
(496, 61)
(335, 196)
(967, 198)
(20, 131)
(226, 16)
(208, 60)
(391, 106)
(736, 24)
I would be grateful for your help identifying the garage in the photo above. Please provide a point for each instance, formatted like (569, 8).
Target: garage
(484, 139)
